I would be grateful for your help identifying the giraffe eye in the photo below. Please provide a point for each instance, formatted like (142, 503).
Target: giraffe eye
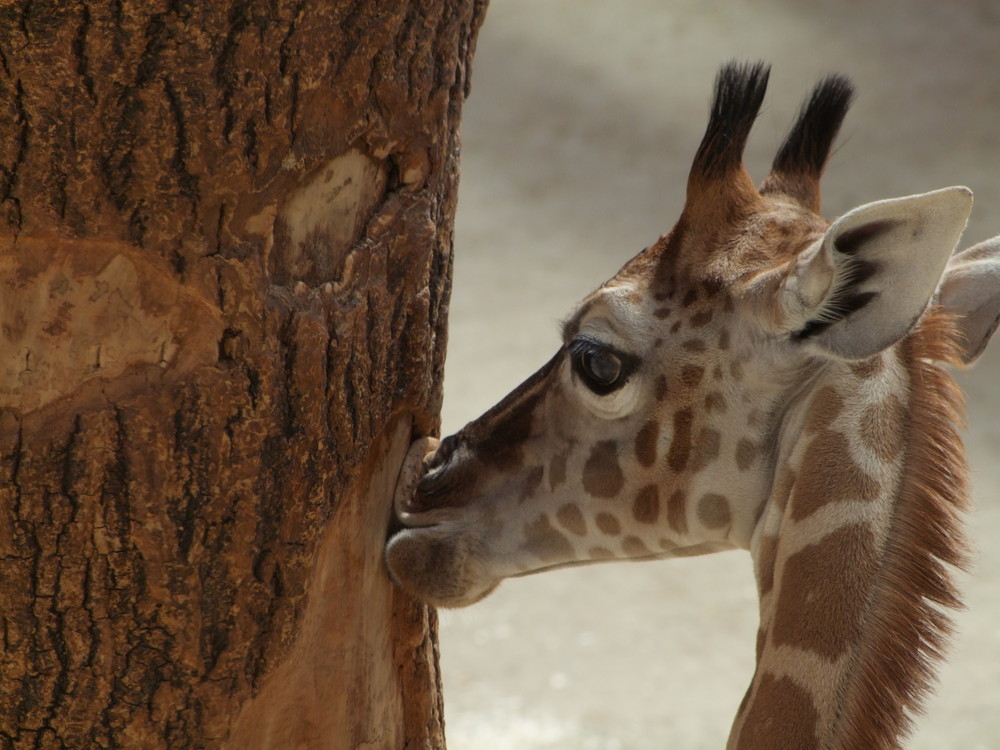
(601, 368)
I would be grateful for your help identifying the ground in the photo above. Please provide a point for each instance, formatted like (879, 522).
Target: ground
(581, 126)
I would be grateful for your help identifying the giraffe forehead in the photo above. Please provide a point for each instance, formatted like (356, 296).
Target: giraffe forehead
(615, 311)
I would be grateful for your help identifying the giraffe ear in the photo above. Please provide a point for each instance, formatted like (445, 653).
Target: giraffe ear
(971, 291)
(863, 286)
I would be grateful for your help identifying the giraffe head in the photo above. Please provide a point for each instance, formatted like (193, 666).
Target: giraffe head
(655, 430)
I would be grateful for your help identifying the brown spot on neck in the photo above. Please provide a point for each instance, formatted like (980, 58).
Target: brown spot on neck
(824, 592)
(830, 475)
(779, 715)
(824, 409)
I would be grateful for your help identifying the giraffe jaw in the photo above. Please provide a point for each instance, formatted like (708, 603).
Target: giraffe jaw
(437, 567)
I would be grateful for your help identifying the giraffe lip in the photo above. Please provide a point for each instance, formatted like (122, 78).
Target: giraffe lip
(410, 474)
(420, 519)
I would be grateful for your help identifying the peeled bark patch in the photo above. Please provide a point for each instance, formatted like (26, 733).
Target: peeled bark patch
(75, 311)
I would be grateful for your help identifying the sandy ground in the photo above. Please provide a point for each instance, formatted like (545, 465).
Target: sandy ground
(577, 140)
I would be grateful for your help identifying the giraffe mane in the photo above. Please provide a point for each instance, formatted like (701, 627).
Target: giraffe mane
(908, 626)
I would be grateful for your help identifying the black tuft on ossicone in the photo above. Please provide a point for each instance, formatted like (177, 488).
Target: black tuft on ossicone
(807, 146)
(739, 92)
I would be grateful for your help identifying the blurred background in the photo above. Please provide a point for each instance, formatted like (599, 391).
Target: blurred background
(578, 136)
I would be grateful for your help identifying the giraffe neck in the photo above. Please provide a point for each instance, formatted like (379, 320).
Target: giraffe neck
(852, 549)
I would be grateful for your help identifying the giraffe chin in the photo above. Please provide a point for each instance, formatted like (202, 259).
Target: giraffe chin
(436, 568)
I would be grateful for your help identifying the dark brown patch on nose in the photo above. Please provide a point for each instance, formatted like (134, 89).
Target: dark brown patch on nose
(602, 475)
(497, 438)
(501, 445)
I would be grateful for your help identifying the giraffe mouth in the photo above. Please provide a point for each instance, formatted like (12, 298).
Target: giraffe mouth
(409, 503)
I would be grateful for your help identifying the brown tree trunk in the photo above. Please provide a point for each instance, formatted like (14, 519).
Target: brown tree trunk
(225, 242)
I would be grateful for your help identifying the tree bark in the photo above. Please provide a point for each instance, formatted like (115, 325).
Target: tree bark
(225, 258)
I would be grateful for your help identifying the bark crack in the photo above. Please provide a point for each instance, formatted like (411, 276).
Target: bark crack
(80, 51)
(182, 148)
(9, 175)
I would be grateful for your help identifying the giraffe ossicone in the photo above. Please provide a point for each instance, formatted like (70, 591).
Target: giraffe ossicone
(760, 378)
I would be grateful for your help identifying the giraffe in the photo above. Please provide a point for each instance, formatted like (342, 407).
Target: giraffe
(759, 378)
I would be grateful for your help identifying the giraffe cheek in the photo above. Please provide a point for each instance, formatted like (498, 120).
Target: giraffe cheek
(436, 569)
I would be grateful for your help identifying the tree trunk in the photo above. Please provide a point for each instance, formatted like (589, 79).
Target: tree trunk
(225, 257)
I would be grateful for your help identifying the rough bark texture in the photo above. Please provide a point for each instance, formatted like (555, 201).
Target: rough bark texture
(225, 242)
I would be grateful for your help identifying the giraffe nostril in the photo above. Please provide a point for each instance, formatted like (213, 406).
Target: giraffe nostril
(442, 455)
(436, 466)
